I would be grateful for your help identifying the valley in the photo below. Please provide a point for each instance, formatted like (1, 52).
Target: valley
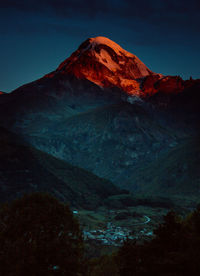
(109, 228)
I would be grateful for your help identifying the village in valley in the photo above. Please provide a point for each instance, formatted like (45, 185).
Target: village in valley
(114, 235)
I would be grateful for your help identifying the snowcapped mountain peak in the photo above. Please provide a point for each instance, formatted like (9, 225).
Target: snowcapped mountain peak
(105, 63)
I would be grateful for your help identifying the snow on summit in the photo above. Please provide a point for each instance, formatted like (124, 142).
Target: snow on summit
(105, 63)
(106, 41)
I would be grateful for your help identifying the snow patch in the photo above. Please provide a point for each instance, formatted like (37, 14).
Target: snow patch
(106, 41)
(134, 99)
(106, 59)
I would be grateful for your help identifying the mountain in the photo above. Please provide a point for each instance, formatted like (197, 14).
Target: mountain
(24, 169)
(103, 110)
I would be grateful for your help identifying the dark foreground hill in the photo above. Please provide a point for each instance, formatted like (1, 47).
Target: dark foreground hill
(24, 169)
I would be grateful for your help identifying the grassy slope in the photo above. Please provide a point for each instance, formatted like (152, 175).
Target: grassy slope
(175, 174)
(24, 169)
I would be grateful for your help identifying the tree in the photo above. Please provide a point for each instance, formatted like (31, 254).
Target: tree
(39, 236)
(174, 251)
(105, 265)
(169, 233)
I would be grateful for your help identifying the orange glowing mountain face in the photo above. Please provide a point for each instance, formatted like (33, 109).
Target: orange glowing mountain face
(105, 63)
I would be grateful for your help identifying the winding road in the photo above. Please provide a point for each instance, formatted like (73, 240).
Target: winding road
(145, 222)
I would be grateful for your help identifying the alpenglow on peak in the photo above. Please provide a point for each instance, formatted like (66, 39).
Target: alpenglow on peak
(105, 63)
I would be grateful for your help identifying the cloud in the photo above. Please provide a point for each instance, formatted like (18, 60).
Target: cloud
(57, 7)
(88, 8)
(158, 20)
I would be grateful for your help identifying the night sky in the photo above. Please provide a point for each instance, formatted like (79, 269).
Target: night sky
(36, 35)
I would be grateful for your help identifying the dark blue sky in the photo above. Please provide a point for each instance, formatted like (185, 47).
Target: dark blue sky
(36, 35)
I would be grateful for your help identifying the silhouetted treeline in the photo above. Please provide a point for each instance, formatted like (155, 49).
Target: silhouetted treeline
(40, 236)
